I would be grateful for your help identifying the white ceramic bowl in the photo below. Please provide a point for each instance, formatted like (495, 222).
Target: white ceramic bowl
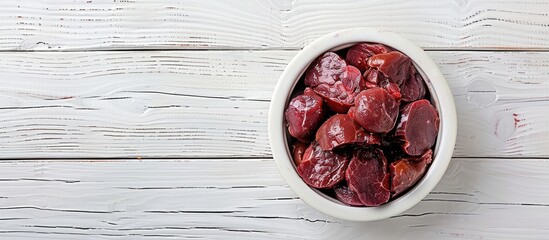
(441, 96)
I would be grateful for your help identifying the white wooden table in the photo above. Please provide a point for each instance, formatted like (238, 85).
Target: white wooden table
(148, 119)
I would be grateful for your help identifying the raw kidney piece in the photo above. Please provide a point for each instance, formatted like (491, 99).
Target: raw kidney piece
(325, 69)
(418, 127)
(414, 87)
(322, 169)
(303, 115)
(347, 196)
(375, 110)
(358, 54)
(407, 171)
(297, 153)
(340, 95)
(373, 78)
(393, 89)
(394, 65)
(340, 129)
(367, 176)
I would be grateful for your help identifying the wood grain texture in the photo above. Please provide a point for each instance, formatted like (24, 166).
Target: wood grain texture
(186, 24)
(501, 99)
(247, 199)
(214, 104)
(191, 104)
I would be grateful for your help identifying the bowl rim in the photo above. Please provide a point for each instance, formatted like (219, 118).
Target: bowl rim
(440, 92)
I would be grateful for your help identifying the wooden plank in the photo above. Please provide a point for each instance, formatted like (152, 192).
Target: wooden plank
(501, 100)
(214, 104)
(165, 199)
(114, 24)
(188, 104)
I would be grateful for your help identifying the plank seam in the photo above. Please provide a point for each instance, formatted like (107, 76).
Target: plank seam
(502, 49)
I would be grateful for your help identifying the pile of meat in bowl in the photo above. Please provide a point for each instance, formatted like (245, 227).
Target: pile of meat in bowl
(362, 128)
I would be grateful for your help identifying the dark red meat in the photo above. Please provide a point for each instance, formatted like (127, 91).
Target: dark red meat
(297, 153)
(418, 127)
(379, 132)
(303, 115)
(373, 78)
(322, 169)
(352, 81)
(340, 95)
(393, 89)
(414, 87)
(394, 65)
(325, 69)
(347, 196)
(393, 152)
(358, 54)
(367, 176)
(339, 130)
(407, 171)
(369, 139)
(375, 110)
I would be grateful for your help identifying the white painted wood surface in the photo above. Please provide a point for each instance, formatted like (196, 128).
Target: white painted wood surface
(214, 103)
(122, 24)
(247, 199)
(158, 144)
